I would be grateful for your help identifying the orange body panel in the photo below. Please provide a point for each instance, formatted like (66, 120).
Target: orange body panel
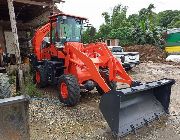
(86, 63)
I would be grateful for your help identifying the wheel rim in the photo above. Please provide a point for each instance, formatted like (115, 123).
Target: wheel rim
(38, 77)
(64, 91)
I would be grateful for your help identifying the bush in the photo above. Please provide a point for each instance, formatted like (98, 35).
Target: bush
(32, 91)
(30, 87)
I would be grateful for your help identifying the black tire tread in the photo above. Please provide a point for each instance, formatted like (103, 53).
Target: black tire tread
(5, 91)
(43, 76)
(73, 90)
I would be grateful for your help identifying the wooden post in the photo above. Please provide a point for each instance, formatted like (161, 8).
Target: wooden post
(14, 29)
(16, 42)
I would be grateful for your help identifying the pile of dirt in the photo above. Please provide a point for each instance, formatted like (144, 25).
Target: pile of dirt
(148, 53)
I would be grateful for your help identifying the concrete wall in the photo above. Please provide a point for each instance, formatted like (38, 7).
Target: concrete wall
(9, 42)
(14, 118)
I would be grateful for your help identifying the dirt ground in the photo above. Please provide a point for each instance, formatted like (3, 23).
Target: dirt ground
(50, 120)
(148, 53)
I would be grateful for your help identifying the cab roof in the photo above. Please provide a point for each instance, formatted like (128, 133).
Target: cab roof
(68, 15)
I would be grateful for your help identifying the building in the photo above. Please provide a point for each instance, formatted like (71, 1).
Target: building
(173, 41)
(30, 14)
(112, 42)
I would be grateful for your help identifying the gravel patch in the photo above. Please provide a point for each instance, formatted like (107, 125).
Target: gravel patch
(51, 120)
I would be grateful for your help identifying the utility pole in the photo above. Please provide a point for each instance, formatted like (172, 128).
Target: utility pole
(16, 42)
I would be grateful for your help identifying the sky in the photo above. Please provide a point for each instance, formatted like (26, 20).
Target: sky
(93, 9)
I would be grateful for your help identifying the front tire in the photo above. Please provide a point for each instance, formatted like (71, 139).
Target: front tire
(69, 90)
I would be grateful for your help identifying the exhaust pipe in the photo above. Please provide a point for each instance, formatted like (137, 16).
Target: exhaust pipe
(126, 110)
(14, 117)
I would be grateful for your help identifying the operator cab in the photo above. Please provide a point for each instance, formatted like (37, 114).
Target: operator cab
(67, 28)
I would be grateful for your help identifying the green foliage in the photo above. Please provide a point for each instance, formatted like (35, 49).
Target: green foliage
(153, 37)
(168, 18)
(30, 87)
(175, 23)
(146, 27)
(147, 31)
(124, 34)
(116, 26)
(105, 30)
(89, 35)
(106, 17)
(32, 91)
(147, 18)
(133, 19)
(118, 18)
(12, 79)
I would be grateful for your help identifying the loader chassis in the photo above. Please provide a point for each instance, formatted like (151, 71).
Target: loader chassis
(63, 54)
(60, 59)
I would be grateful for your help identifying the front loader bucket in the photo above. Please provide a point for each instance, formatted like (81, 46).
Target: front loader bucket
(14, 118)
(127, 109)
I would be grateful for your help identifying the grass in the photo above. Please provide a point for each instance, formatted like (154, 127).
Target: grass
(12, 79)
(30, 87)
(32, 91)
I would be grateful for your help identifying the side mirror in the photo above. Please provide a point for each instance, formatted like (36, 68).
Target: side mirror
(88, 25)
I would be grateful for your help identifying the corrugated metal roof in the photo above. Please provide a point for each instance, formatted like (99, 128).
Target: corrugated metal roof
(24, 12)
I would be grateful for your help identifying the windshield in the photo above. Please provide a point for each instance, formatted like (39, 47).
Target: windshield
(68, 29)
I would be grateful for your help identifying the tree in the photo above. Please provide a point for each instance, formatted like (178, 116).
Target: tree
(118, 18)
(106, 17)
(133, 19)
(168, 18)
(104, 31)
(143, 28)
(116, 24)
(175, 23)
(147, 17)
(89, 35)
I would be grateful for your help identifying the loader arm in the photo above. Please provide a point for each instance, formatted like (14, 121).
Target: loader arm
(38, 38)
(116, 70)
(104, 59)
(95, 75)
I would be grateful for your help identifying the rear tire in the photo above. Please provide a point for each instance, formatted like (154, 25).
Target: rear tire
(40, 77)
(5, 91)
(69, 90)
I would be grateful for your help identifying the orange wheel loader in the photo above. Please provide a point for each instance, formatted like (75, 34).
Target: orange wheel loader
(61, 59)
